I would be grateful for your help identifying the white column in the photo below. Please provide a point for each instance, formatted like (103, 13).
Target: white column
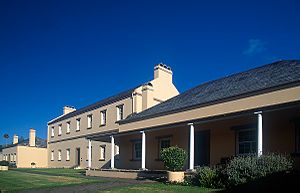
(259, 133)
(192, 138)
(112, 160)
(90, 154)
(143, 150)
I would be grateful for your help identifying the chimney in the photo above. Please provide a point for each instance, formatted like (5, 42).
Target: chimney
(147, 96)
(68, 109)
(163, 71)
(15, 139)
(31, 137)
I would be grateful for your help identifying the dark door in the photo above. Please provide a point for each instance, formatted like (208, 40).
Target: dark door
(78, 156)
(202, 148)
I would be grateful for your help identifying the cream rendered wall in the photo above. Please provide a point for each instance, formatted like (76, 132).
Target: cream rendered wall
(10, 151)
(77, 138)
(26, 155)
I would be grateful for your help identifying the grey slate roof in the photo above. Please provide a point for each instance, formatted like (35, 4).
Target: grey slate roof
(254, 80)
(96, 105)
(39, 142)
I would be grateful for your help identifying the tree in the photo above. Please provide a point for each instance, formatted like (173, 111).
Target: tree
(6, 136)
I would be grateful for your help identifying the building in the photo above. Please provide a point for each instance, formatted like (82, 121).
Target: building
(28, 153)
(252, 112)
(67, 134)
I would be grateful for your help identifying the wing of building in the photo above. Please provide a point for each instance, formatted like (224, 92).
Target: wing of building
(27, 153)
(67, 143)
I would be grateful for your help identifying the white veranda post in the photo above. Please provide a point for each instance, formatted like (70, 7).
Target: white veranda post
(259, 133)
(90, 154)
(192, 138)
(112, 161)
(143, 150)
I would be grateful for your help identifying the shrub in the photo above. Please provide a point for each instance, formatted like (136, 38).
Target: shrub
(173, 158)
(209, 177)
(4, 163)
(240, 170)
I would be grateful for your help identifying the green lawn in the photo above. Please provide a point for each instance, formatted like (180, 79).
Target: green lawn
(20, 179)
(159, 187)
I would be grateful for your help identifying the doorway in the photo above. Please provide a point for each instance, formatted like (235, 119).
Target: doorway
(77, 156)
(202, 148)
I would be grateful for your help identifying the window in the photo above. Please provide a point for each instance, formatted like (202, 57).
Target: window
(163, 143)
(59, 155)
(52, 131)
(102, 152)
(90, 121)
(77, 124)
(246, 141)
(15, 157)
(103, 118)
(52, 155)
(59, 130)
(68, 126)
(137, 150)
(68, 155)
(120, 110)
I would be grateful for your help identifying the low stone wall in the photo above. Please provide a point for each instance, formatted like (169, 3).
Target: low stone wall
(3, 168)
(128, 174)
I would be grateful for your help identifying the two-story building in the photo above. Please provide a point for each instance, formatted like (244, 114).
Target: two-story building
(67, 134)
(252, 112)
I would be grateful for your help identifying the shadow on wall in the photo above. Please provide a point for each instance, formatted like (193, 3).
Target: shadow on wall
(279, 182)
(107, 164)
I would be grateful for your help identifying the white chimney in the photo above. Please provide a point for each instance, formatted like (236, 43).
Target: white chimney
(163, 71)
(31, 137)
(68, 109)
(15, 139)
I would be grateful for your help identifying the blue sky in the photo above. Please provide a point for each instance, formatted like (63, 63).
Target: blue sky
(56, 53)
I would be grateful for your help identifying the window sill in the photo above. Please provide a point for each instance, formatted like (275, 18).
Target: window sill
(67, 160)
(59, 135)
(101, 159)
(77, 130)
(68, 133)
(102, 125)
(59, 160)
(52, 136)
(89, 128)
(52, 160)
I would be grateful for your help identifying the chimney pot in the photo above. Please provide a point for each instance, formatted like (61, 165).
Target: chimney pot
(15, 139)
(68, 109)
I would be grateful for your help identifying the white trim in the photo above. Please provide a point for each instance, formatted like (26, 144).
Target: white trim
(192, 142)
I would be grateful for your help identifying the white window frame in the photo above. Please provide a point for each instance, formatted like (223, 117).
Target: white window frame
(68, 154)
(59, 155)
(135, 143)
(52, 155)
(59, 129)
(103, 118)
(52, 131)
(89, 121)
(120, 112)
(68, 127)
(78, 124)
(102, 152)
(246, 142)
(87, 153)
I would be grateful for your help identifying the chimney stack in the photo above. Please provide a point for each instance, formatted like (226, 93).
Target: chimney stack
(68, 109)
(31, 137)
(15, 139)
(147, 96)
(163, 71)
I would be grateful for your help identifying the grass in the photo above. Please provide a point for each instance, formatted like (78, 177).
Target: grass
(159, 187)
(21, 179)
